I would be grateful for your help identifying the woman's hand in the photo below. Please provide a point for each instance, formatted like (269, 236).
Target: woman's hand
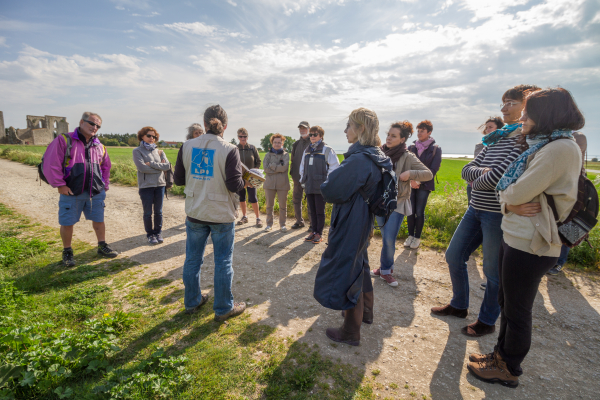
(148, 164)
(525, 210)
(161, 153)
(415, 184)
(404, 176)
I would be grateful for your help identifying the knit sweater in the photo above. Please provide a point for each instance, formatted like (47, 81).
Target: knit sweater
(497, 158)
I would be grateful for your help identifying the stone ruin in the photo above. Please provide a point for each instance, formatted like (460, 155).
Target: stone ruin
(40, 130)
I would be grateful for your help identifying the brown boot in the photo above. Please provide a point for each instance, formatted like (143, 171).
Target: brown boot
(349, 332)
(478, 329)
(478, 357)
(368, 299)
(449, 310)
(493, 371)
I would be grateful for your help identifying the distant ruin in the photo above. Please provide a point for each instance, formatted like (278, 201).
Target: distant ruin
(40, 130)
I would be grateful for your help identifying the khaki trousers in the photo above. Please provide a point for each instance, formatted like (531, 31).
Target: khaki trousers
(282, 198)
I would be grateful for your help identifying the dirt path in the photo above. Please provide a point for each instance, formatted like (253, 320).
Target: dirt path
(275, 273)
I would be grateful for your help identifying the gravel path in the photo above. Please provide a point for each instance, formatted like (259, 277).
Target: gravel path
(408, 345)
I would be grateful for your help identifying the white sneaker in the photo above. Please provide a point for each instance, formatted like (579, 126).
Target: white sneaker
(415, 243)
(283, 229)
(268, 228)
(409, 241)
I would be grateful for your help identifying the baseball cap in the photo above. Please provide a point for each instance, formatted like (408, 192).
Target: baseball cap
(304, 124)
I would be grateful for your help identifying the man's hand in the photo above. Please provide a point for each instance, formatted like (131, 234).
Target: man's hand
(404, 176)
(525, 210)
(65, 190)
(247, 185)
(414, 184)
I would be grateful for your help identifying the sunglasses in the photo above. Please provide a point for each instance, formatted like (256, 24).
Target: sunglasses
(242, 137)
(151, 136)
(313, 134)
(93, 124)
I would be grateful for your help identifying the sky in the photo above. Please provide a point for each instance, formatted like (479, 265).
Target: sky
(274, 63)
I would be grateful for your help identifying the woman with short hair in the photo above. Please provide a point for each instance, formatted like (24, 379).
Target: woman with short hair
(318, 162)
(407, 167)
(547, 172)
(251, 159)
(489, 126)
(151, 164)
(277, 181)
(194, 130)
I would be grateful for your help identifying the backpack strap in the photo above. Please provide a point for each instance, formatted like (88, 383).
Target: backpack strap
(326, 153)
(69, 144)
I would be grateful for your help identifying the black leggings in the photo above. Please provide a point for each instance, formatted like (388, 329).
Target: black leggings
(520, 276)
(316, 207)
(418, 201)
(251, 195)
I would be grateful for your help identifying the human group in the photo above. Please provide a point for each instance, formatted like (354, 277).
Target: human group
(521, 184)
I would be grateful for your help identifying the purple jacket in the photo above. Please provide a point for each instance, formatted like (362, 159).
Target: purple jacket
(95, 167)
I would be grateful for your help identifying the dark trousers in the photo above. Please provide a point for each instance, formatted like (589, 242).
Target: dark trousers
(297, 200)
(520, 276)
(316, 207)
(418, 201)
(152, 198)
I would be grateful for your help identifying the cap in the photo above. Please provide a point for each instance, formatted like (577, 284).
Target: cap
(304, 124)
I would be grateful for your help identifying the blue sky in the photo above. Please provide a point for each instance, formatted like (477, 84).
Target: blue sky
(273, 63)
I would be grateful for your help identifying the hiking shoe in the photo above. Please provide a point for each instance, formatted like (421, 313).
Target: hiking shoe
(298, 225)
(106, 251)
(408, 241)
(237, 309)
(152, 240)
(242, 221)
(483, 286)
(310, 237)
(555, 270)
(416, 242)
(283, 229)
(377, 272)
(478, 357)
(389, 279)
(258, 223)
(202, 302)
(317, 238)
(159, 238)
(449, 310)
(268, 228)
(493, 371)
(478, 329)
(67, 258)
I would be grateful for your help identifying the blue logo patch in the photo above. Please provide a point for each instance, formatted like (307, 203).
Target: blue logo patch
(202, 163)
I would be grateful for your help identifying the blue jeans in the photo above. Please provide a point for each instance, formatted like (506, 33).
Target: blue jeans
(390, 233)
(152, 197)
(564, 253)
(476, 228)
(223, 236)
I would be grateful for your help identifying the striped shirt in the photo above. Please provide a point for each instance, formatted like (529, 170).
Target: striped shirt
(496, 157)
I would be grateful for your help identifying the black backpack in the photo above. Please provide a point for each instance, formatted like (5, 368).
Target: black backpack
(385, 200)
(40, 166)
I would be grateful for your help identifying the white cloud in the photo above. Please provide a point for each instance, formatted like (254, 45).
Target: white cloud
(139, 4)
(152, 14)
(337, 41)
(161, 48)
(3, 42)
(120, 8)
(196, 28)
(233, 3)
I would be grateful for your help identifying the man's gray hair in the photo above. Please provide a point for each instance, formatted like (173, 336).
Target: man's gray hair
(193, 128)
(87, 115)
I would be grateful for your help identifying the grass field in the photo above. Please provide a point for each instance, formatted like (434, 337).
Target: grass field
(444, 210)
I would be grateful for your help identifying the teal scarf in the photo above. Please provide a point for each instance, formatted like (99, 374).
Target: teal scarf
(498, 134)
(517, 167)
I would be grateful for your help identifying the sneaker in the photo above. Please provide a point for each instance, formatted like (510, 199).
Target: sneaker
(237, 309)
(152, 240)
(555, 270)
(317, 238)
(258, 223)
(283, 229)
(478, 329)
(377, 272)
(242, 221)
(449, 310)
(298, 225)
(106, 251)
(389, 279)
(310, 237)
(416, 242)
(493, 370)
(202, 302)
(268, 228)
(159, 238)
(408, 241)
(67, 258)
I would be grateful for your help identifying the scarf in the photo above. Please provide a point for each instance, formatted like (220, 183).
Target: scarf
(494, 137)
(280, 151)
(422, 146)
(149, 146)
(394, 153)
(313, 146)
(517, 167)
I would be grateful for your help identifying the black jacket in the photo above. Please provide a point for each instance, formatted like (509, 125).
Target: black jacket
(431, 161)
(249, 156)
(339, 280)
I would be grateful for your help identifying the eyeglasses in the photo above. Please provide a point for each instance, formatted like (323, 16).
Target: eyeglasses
(313, 134)
(93, 124)
(509, 104)
(242, 137)
(151, 136)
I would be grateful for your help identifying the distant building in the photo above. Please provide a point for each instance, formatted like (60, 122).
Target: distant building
(40, 130)
(171, 144)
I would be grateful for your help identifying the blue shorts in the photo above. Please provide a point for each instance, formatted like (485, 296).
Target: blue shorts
(70, 208)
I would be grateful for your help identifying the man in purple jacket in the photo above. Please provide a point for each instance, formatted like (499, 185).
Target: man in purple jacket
(82, 181)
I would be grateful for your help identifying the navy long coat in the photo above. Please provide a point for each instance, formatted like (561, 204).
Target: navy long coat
(339, 280)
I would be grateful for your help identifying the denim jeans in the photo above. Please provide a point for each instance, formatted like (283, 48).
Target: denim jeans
(223, 237)
(564, 253)
(476, 228)
(416, 221)
(152, 197)
(389, 232)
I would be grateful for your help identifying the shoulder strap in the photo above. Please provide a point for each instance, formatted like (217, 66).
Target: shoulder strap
(434, 150)
(69, 144)
(326, 153)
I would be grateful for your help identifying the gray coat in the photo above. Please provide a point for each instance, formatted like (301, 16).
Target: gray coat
(150, 175)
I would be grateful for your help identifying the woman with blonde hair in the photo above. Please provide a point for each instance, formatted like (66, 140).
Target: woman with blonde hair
(343, 281)
(277, 181)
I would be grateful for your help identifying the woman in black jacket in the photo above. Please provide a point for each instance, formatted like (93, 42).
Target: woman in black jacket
(343, 280)
(430, 154)
(251, 159)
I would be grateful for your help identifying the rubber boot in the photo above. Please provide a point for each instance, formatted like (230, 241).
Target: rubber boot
(368, 298)
(349, 332)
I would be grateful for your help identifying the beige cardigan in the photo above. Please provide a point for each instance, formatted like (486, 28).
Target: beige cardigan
(276, 174)
(418, 172)
(554, 170)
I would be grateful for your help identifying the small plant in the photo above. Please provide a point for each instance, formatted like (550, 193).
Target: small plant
(393, 385)
(375, 372)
